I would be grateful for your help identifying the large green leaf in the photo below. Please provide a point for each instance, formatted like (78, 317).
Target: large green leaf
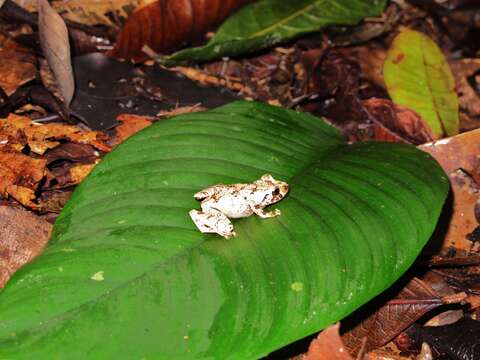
(417, 75)
(266, 23)
(128, 276)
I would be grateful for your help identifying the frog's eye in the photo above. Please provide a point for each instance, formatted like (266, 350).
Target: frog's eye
(276, 191)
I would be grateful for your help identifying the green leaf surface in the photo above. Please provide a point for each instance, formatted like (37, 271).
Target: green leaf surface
(417, 75)
(128, 276)
(266, 23)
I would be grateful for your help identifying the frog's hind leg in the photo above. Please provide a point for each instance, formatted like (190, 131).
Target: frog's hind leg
(213, 221)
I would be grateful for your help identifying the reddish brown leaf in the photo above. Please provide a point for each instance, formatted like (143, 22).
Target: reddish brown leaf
(17, 67)
(458, 157)
(396, 123)
(130, 124)
(17, 131)
(327, 346)
(411, 303)
(23, 235)
(20, 175)
(167, 24)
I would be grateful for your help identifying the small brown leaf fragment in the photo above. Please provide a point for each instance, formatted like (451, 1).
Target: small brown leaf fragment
(167, 24)
(23, 236)
(56, 48)
(458, 156)
(396, 123)
(67, 175)
(17, 131)
(20, 175)
(130, 124)
(17, 66)
(327, 346)
(80, 172)
(411, 303)
(53, 201)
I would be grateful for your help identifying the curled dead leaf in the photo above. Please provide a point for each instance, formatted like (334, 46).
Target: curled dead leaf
(167, 24)
(56, 48)
(23, 236)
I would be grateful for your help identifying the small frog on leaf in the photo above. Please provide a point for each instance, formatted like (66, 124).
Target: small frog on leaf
(221, 202)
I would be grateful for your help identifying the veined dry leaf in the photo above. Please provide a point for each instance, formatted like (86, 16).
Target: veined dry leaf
(327, 346)
(23, 235)
(417, 75)
(90, 12)
(411, 303)
(167, 24)
(56, 48)
(18, 131)
(20, 175)
(17, 65)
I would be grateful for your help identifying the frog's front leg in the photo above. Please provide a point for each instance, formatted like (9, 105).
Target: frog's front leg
(206, 193)
(213, 221)
(263, 214)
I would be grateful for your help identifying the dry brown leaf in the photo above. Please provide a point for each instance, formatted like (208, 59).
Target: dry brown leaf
(56, 48)
(20, 175)
(396, 123)
(167, 24)
(327, 346)
(467, 97)
(23, 236)
(90, 12)
(130, 124)
(17, 65)
(459, 157)
(17, 131)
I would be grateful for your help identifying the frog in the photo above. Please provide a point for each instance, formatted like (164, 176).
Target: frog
(221, 202)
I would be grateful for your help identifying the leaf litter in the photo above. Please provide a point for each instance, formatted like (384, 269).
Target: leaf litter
(41, 164)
